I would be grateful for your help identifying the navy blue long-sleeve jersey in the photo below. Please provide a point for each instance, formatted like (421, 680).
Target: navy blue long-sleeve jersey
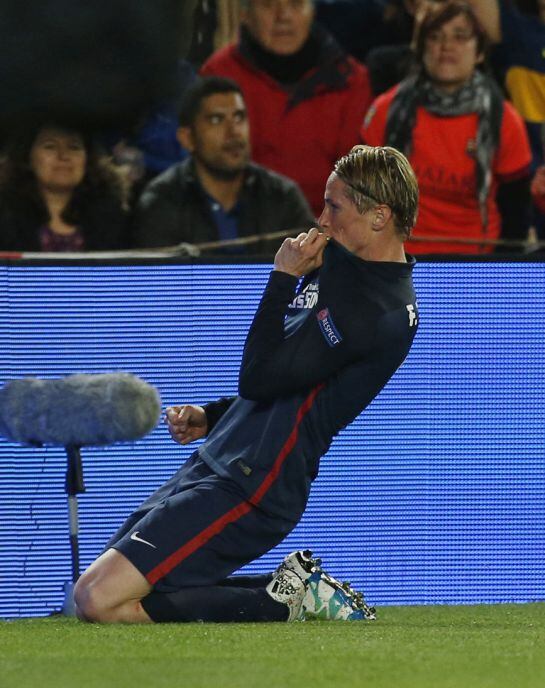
(313, 360)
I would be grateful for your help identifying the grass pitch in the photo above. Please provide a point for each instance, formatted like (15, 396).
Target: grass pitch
(499, 646)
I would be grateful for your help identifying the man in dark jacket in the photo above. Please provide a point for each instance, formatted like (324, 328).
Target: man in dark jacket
(318, 351)
(218, 194)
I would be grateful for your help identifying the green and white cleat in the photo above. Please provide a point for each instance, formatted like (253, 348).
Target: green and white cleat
(327, 598)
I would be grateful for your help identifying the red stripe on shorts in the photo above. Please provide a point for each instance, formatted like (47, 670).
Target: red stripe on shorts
(241, 509)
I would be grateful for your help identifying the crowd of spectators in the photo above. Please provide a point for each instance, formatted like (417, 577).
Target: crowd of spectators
(269, 94)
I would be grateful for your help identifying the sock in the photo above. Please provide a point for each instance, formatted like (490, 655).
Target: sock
(219, 603)
(257, 580)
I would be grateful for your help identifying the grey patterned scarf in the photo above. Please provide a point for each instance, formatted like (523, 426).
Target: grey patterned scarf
(480, 94)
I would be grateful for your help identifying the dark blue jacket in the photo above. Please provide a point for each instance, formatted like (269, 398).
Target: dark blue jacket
(312, 362)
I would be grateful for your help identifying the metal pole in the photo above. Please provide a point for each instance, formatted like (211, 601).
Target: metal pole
(74, 485)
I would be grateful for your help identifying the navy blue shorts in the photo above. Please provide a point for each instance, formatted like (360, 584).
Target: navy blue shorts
(197, 529)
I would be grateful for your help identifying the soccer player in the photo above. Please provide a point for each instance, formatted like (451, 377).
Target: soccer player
(318, 351)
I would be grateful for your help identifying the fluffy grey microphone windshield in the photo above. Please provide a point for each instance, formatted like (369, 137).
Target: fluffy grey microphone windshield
(78, 409)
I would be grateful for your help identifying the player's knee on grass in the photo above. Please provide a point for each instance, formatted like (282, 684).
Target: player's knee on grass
(110, 591)
(87, 602)
(92, 604)
(103, 598)
(90, 601)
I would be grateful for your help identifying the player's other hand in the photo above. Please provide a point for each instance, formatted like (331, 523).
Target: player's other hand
(301, 255)
(186, 423)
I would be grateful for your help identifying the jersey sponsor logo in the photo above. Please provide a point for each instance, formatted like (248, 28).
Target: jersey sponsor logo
(308, 298)
(446, 184)
(330, 332)
(136, 538)
(413, 314)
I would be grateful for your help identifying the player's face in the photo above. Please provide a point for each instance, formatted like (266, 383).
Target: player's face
(340, 218)
(279, 26)
(451, 54)
(58, 159)
(220, 138)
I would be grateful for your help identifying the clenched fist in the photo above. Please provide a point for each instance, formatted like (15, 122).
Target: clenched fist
(186, 423)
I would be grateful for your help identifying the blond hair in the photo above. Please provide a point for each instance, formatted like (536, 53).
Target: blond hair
(381, 175)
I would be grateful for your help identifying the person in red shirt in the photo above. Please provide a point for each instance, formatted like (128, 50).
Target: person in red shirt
(468, 146)
(305, 96)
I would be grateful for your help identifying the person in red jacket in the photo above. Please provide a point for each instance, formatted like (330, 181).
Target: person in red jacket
(468, 146)
(305, 96)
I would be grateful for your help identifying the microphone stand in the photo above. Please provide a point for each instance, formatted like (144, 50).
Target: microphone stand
(74, 485)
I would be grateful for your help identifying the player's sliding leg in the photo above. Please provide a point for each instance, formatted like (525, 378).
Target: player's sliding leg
(112, 590)
(299, 589)
(173, 558)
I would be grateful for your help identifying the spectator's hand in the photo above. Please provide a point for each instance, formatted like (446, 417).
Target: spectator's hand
(421, 9)
(186, 423)
(538, 183)
(301, 255)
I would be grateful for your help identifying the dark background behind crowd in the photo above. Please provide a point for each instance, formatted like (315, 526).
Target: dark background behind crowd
(92, 96)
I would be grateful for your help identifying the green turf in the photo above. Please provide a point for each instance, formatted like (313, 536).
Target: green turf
(499, 646)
